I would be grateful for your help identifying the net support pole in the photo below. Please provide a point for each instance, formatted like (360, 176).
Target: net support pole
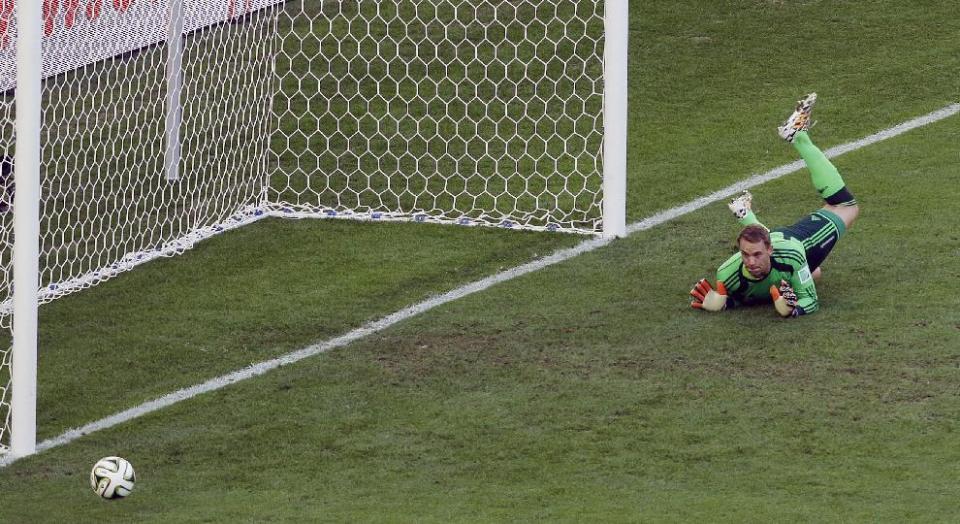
(616, 27)
(174, 86)
(26, 230)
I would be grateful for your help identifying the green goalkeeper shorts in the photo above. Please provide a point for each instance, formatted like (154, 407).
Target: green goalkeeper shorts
(819, 232)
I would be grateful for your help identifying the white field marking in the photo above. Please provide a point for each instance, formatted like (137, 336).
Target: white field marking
(469, 289)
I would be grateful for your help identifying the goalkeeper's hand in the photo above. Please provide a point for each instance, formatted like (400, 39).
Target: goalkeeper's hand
(784, 299)
(705, 297)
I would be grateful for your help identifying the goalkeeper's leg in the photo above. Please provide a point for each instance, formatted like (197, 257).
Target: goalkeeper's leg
(827, 180)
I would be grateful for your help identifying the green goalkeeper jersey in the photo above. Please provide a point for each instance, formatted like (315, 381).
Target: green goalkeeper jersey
(789, 262)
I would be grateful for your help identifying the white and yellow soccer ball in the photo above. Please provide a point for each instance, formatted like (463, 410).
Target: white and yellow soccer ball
(112, 478)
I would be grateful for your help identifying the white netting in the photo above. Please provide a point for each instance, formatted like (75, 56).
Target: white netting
(6, 271)
(483, 112)
(106, 204)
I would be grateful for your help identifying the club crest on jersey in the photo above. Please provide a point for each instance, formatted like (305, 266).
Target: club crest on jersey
(804, 274)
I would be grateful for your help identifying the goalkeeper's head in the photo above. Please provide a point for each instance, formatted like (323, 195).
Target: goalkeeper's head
(756, 250)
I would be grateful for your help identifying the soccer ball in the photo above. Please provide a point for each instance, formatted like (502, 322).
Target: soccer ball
(112, 478)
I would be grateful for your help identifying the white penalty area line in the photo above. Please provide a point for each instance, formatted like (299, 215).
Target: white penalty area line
(475, 287)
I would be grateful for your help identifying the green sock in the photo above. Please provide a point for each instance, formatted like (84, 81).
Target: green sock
(824, 175)
(749, 219)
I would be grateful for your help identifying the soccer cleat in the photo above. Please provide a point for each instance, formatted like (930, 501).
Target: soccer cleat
(800, 119)
(741, 205)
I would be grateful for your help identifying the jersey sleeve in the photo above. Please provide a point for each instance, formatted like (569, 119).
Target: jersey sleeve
(806, 290)
(791, 256)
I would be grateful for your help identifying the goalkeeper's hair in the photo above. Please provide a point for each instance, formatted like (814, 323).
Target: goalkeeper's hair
(754, 233)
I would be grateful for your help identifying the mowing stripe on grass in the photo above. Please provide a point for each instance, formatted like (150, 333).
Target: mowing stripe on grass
(469, 289)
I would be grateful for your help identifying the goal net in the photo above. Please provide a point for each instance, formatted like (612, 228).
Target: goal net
(475, 112)
(167, 121)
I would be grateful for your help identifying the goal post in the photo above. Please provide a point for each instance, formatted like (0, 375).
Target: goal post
(145, 126)
(26, 234)
(616, 38)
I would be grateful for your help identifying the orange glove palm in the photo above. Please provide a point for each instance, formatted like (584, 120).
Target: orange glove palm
(705, 297)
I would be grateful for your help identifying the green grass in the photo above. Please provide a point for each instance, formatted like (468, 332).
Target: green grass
(588, 391)
(710, 80)
(244, 314)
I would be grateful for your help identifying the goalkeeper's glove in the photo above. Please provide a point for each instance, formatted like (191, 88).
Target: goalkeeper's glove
(705, 297)
(784, 299)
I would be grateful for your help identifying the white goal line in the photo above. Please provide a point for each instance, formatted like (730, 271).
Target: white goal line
(474, 287)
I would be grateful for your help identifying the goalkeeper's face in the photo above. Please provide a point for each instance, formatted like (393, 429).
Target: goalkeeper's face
(756, 257)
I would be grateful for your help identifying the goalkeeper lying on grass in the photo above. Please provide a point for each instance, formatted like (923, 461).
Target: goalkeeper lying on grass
(780, 266)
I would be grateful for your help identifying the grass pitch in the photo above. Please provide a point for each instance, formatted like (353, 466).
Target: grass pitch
(586, 391)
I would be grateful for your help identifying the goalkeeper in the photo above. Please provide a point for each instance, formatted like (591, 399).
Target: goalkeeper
(781, 266)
